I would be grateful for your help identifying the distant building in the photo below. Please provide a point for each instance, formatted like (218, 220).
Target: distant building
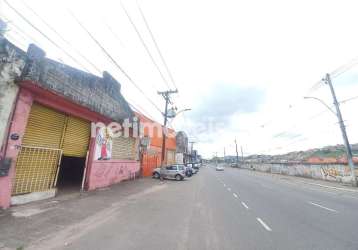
(182, 154)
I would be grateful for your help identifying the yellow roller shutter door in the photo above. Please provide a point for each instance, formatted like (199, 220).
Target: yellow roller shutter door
(123, 148)
(44, 128)
(76, 137)
(48, 135)
(39, 155)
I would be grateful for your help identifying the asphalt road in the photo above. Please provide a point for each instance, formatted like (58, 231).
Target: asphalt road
(233, 209)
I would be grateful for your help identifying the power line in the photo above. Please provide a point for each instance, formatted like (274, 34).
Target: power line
(112, 32)
(61, 37)
(349, 99)
(156, 45)
(345, 67)
(294, 139)
(114, 61)
(282, 133)
(31, 38)
(18, 34)
(160, 54)
(27, 36)
(10, 37)
(315, 86)
(144, 44)
(141, 111)
(44, 35)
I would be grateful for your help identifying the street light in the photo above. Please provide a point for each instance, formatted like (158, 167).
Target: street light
(172, 113)
(175, 114)
(342, 126)
(322, 102)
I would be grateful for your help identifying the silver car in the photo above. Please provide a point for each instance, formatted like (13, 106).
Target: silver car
(175, 171)
(219, 168)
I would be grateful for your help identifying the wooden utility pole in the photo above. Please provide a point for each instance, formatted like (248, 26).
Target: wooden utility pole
(166, 96)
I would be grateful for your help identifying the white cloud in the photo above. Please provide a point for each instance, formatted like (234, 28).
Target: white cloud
(281, 47)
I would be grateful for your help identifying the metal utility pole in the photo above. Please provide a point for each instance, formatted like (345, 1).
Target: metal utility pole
(343, 130)
(166, 96)
(242, 156)
(224, 155)
(237, 154)
(192, 150)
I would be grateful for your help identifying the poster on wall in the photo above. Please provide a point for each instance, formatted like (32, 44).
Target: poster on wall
(103, 144)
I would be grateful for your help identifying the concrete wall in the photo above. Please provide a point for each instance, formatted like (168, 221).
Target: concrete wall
(328, 172)
(12, 62)
(21, 114)
(105, 173)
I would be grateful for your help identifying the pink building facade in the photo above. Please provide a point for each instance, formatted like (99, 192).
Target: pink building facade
(96, 173)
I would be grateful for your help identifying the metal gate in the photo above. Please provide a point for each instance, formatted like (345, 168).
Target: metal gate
(49, 135)
(36, 169)
(149, 163)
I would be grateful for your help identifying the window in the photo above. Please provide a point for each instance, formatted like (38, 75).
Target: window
(170, 168)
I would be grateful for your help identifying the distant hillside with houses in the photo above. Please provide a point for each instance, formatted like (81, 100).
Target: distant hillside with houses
(328, 154)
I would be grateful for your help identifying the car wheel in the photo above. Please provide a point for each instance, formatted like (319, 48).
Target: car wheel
(156, 175)
(178, 177)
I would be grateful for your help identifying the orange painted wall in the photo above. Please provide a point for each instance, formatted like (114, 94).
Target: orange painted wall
(153, 159)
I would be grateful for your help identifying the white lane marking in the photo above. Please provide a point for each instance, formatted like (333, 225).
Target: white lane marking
(327, 208)
(244, 204)
(235, 195)
(229, 189)
(264, 224)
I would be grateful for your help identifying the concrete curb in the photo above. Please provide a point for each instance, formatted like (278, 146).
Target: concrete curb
(331, 187)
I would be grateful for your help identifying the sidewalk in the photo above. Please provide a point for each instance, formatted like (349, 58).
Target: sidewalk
(21, 225)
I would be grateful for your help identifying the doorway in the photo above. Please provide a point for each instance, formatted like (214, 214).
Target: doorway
(53, 151)
(70, 174)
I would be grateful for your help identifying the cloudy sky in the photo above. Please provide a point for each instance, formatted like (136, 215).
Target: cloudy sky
(243, 67)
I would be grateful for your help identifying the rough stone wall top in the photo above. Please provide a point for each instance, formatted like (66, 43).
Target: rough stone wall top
(101, 95)
(12, 61)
